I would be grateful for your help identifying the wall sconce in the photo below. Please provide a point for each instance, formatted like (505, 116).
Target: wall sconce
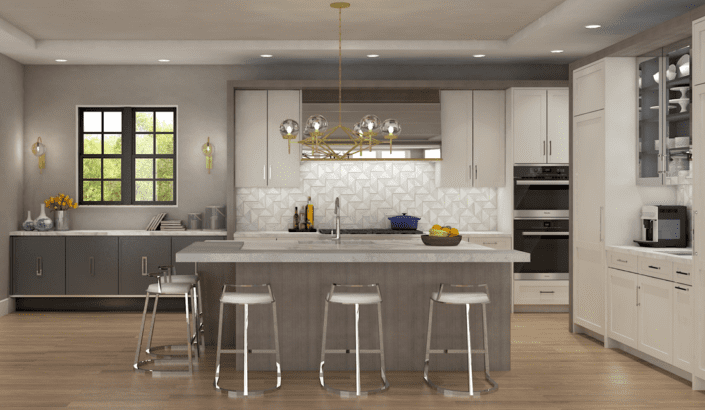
(39, 150)
(207, 149)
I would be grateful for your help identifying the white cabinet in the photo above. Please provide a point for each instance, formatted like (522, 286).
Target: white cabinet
(261, 154)
(473, 149)
(697, 61)
(589, 88)
(539, 125)
(683, 327)
(541, 292)
(698, 221)
(622, 306)
(655, 299)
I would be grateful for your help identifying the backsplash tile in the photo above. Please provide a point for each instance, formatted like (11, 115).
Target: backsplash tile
(369, 192)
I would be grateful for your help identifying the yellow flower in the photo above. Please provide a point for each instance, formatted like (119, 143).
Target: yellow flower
(75, 206)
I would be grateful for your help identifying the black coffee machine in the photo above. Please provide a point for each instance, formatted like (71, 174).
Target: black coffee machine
(664, 226)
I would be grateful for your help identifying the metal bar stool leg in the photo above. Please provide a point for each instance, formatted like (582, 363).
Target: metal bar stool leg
(139, 338)
(382, 366)
(151, 327)
(276, 345)
(428, 342)
(188, 334)
(467, 322)
(357, 349)
(217, 356)
(245, 349)
(323, 346)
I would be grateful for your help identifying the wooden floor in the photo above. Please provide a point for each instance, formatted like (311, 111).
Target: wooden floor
(84, 361)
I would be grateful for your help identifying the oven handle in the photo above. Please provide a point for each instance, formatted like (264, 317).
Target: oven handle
(545, 233)
(540, 182)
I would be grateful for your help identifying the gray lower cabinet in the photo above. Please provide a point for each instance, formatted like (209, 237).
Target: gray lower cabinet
(140, 255)
(91, 265)
(39, 266)
(180, 242)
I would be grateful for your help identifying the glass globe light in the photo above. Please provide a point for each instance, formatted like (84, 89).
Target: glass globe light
(317, 123)
(357, 130)
(370, 123)
(392, 128)
(289, 129)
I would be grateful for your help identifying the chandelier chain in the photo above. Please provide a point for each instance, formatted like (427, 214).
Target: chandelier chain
(340, 66)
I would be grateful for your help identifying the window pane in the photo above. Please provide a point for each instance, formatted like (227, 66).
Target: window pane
(112, 144)
(165, 143)
(91, 190)
(91, 121)
(91, 143)
(111, 190)
(91, 169)
(144, 121)
(432, 153)
(144, 191)
(145, 144)
(394, 154)
(165, 168)
(165, 121)
(144, 168)
(112, 121)
(165, 191)
(111, 168)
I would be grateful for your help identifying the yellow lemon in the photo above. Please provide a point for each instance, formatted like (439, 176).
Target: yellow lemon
(436, 227)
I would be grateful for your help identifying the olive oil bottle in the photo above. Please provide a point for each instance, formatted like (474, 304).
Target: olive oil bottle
(309, 215)
(296, 218)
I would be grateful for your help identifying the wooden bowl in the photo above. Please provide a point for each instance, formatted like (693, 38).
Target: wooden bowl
(441, 241)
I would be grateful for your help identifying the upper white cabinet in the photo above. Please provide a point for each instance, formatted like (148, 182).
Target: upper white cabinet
(539, 125)
(262, 157)
(697, 61)
(473, 149)
(589, 89)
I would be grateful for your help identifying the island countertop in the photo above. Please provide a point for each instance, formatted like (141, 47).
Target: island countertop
(348, 250)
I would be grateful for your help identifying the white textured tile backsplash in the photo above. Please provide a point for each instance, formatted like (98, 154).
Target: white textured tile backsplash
(369, 192)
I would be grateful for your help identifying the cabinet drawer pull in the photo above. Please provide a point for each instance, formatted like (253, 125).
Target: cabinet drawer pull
(683, 273)
(622, 261)
(655, 267)
(489, 243)
(91, 266)
(39, 266)
(680, 288)
(547, 291)
(144, 266)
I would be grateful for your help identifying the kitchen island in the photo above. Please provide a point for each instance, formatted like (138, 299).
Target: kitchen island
(301, 272)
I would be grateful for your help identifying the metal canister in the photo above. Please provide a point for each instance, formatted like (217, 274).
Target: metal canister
(214, 218)
(194, 221)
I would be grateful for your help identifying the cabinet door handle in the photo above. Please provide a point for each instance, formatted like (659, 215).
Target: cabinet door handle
(550, 148)
(637, 295)
(91, 266)
(39, 266)
(475, 172)
(144, 266)
(270, 172)
(620, 260)
(655, 267)
(264, 172)
(547, 291)
(489, 243)
(683, 273)
(601, 208)
(680, 288)
(544, 148)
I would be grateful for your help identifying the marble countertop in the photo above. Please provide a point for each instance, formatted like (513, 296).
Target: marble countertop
(350, 250)
(316, 235)
(118, 233)
(655, 253)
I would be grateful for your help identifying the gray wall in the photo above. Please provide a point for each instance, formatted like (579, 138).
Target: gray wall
(53, 92)
(12, 149)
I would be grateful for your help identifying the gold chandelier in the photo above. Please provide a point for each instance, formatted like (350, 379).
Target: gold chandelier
(320, 141)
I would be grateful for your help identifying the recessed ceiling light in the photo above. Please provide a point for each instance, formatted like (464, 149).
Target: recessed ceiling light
(478, 55)
(556, 51)
(164, 60)
(60, 60)
(266, 55)
(373, 55)
(593, 26)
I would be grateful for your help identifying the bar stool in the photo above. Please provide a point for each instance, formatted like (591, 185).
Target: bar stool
(246, 299)
(195, 280)
(357, 299)
(467, 299)
(162, 287)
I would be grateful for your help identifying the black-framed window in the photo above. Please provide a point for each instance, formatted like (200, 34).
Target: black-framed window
(127, 155)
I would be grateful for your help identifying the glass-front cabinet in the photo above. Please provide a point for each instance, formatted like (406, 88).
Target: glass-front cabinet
(664, 143)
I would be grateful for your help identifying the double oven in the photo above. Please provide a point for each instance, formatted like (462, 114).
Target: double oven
(541, 201)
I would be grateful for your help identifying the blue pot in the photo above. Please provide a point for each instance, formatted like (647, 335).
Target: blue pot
(404, 221)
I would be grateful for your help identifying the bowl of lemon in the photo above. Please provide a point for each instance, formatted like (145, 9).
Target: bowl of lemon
(442, 236)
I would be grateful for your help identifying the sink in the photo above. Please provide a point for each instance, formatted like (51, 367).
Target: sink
(678, 253)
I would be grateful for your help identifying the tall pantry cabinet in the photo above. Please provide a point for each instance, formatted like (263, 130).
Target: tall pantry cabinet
(605, 200)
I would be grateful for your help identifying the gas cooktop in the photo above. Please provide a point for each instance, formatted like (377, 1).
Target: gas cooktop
(374, 231)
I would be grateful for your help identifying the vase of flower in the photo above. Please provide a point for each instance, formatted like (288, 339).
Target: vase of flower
(60, 205)
(28, 225)
(43, 223)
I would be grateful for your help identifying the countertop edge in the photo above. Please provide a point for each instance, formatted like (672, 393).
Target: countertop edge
(651, 252)
(118, 233)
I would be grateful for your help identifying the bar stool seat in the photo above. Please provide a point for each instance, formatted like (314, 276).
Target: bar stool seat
(357, 299)
(184, 279)
(458, 298)
(467, 299)
(246, 299)
(169, 288)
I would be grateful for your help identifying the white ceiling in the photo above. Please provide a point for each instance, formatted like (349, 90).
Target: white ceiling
(237, 32)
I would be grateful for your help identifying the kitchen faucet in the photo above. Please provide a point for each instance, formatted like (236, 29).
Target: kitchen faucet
(336, 232)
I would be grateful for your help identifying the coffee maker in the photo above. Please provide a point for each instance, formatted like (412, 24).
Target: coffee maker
(664, 226)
